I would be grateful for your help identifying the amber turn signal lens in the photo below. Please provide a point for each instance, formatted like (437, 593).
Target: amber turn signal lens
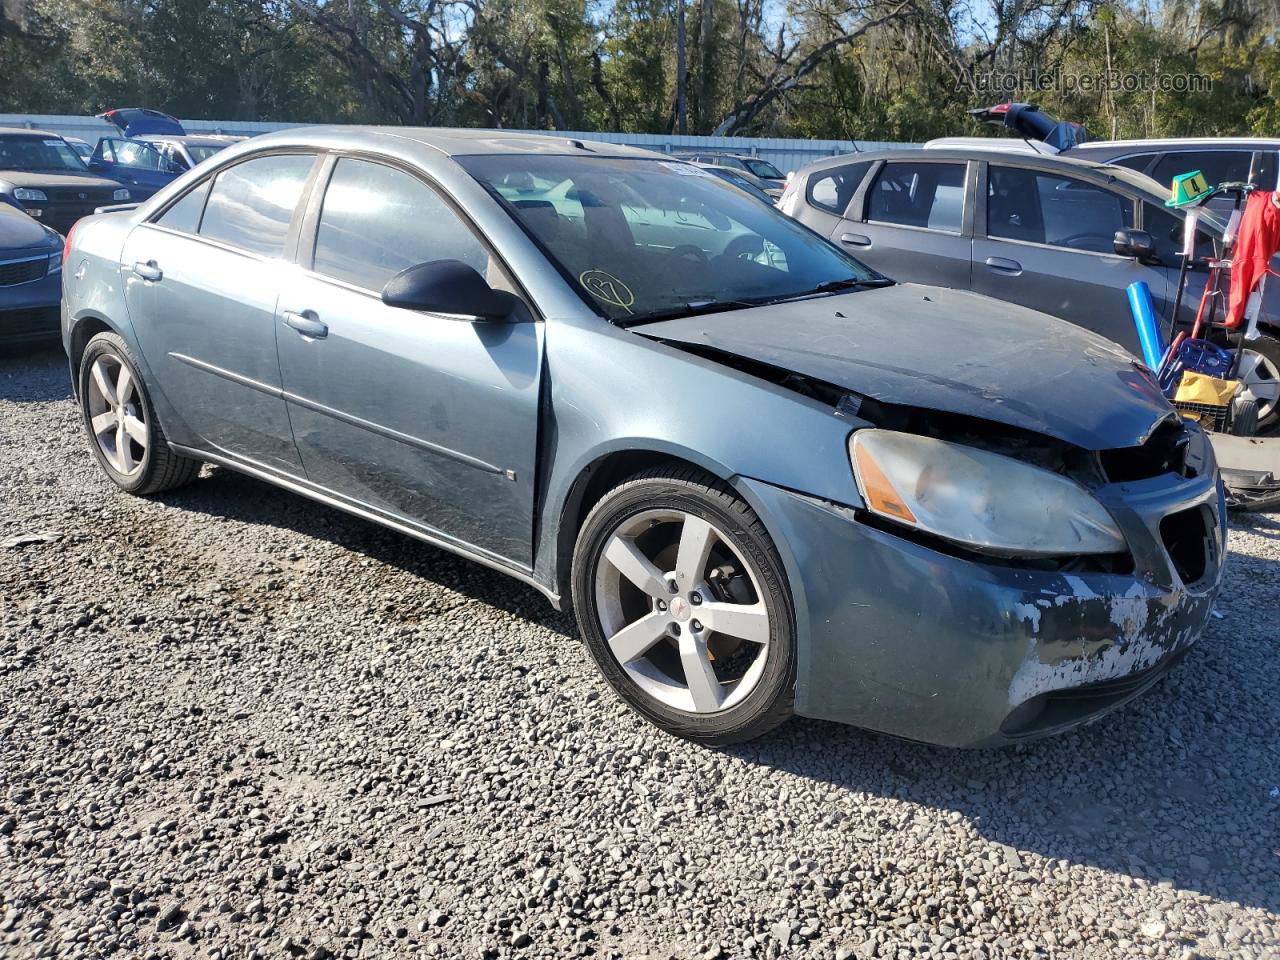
(881, 497)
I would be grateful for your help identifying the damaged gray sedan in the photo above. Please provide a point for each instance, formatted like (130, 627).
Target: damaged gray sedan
(767, 480)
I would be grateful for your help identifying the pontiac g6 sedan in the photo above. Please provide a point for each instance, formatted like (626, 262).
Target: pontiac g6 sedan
(767, 479)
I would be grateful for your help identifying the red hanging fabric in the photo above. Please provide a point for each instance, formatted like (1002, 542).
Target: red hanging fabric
(1258, 241)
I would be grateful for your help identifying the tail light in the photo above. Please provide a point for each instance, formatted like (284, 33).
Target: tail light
(66, 244)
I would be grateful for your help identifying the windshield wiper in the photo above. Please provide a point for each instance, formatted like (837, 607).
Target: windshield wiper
(847, 283)
(691, 308)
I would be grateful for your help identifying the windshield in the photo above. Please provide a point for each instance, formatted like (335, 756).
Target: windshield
(38, 153)
(641, 238)
(763, 168)
(199, 153)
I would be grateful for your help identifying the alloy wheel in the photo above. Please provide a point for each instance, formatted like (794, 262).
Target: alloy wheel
(682, 611)
(1261, 379)
(116, 415)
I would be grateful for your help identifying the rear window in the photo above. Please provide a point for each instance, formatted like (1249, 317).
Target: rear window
(1218, 166)
(252, 203)
(833, 189)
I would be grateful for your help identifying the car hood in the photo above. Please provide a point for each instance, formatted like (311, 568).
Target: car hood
(40, 180)
(17, 230)
(946, 350)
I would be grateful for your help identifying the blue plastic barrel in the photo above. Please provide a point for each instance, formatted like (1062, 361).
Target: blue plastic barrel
(1144, 318)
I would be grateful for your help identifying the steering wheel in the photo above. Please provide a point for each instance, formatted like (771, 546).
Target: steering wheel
(687, 251)
(745, 247)
(1076, 239)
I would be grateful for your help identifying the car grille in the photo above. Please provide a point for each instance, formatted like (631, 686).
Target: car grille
(93, 197)
(22, 271)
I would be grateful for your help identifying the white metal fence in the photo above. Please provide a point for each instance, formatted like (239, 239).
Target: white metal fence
(785, 154)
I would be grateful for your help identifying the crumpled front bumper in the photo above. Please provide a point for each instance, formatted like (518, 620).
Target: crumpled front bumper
(900, 637)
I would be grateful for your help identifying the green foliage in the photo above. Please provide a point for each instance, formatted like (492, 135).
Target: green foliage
(611, 64)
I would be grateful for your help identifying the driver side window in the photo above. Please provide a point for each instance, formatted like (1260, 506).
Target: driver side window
(1055, 211)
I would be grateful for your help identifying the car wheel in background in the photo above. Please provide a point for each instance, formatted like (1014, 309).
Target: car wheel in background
(684, 605)
(123, 430)
(1260, 374)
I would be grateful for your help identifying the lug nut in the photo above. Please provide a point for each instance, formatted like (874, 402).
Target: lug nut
(672, 587)
(675, 629)
(696, 625)
(662, 605)
(695, 598)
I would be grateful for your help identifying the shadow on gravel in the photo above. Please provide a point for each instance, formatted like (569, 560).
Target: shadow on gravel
(230, 495)
(34, 373)
(1176, 786)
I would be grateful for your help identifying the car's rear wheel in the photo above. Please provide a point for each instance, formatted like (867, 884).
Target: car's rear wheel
(124, 432)
(684, 605)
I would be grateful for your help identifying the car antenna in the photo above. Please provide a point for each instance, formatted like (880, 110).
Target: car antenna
(580, 145)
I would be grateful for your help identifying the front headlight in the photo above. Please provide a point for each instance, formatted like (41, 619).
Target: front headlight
(983, 500)
(55, 262)
(120, 196)
(26, 193)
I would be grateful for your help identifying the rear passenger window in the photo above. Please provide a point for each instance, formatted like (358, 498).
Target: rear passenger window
(251, 204)
(1218, 166)
(1139, 161)
(185, 214)
(919, 195)
(377, 220)
(833, 190)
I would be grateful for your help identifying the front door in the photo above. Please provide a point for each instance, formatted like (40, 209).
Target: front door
(1049, 246)
(135, 163)
(201, 283)
(913, 226)
(426, 418)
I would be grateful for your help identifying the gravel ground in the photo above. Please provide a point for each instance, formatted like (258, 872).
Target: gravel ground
(235, 724)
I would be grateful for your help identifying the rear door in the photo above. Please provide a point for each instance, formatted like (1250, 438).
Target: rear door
(913, 223)
(201, 282)
(1049, 246)
(427, 418)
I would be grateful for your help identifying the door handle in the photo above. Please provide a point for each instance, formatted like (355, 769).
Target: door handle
(306, 324)
(855, 239)
(149, 271)
(1004, 265)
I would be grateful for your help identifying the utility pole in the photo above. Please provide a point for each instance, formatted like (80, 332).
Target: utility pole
(682, 119)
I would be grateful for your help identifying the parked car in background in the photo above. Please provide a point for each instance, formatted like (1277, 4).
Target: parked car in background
(1060, 235)
(760, 172)
(46, 178)
(768, 479)
(82, 148)
(152, 150)
(30, 277)
(1220, 159)
(739, 180)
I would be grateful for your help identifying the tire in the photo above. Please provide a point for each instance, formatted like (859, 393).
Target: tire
(1268, 346)
(131, 449)
(705, 554)
(1244, 417)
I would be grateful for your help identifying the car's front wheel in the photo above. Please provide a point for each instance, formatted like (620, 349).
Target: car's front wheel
(684, 605)
(121, 422)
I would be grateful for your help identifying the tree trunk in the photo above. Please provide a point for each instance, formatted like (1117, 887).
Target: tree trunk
(706, 80)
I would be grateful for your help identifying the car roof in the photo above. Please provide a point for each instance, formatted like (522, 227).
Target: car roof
(452, 141)
(27, 131)
(1176, 143)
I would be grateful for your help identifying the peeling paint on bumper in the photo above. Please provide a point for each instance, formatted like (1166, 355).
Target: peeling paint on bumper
(904, 639)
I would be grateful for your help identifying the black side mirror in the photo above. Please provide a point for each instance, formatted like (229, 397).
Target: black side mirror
(1135, 243)
(448, 286)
